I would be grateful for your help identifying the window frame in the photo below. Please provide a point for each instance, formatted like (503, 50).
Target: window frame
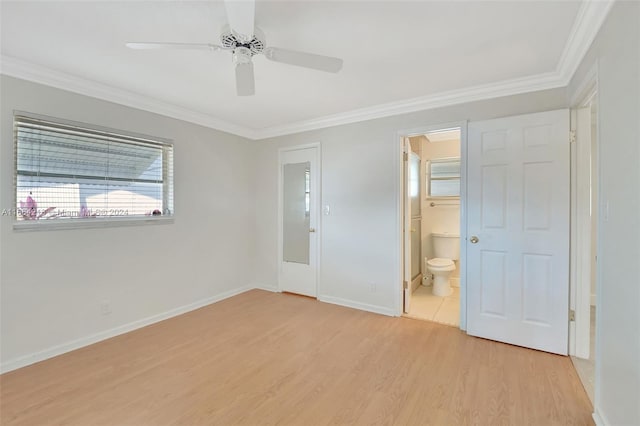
(429, 178)
(95, 222)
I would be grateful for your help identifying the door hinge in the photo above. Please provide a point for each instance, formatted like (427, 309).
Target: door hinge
(572, 136)
(405, 156)
(405, 284)
(572, 315)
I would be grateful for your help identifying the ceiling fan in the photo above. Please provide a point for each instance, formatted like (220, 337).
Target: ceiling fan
(244, 40)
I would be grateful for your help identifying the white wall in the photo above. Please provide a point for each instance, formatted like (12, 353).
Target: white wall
(359, 181)
(616, 52)
(52, 282)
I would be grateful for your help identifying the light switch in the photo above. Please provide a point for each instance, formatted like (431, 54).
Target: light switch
(327, 210)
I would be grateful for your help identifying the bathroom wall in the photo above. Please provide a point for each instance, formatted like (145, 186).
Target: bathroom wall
(440, 218)
(416, 145)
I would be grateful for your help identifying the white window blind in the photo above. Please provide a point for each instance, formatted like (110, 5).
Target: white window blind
(67, 172)
(444, 178)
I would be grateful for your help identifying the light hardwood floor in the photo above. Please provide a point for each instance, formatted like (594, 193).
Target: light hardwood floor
(267, 358)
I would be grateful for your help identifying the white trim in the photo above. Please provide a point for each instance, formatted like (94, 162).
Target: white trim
(581, 298)
(416, 282)
(24, 70)
(398, 163)
(583, 232)
(87, 223)
(266, 287)
(382, 310)
(599, 419)
(454, 97)
(56, 350)
(572, 236)
(462, 263)
(587, 89)
(590, 18)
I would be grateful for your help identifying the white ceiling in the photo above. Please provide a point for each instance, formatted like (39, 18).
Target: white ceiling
(392, 51)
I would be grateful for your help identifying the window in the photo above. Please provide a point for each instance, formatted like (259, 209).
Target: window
(443, 178)
(67, 172)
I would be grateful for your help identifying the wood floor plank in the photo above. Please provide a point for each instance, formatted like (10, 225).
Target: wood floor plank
(266, 358)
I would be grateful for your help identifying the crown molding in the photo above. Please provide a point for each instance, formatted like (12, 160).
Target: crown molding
(590, 18)
(24, 70)
(586, 25)
(454, 97)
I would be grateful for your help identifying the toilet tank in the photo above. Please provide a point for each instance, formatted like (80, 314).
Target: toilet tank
(446, 245)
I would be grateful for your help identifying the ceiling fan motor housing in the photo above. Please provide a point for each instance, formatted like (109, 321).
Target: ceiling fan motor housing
(231, 41)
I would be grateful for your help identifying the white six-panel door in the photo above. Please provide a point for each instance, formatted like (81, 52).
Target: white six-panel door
(518, 230)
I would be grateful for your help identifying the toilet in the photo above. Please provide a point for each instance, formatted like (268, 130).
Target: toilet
(446, 248)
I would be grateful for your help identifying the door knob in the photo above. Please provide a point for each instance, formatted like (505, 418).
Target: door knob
(474, 239)
(312, 229)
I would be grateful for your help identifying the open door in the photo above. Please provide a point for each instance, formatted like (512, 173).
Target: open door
(518, 202)
(584, 232)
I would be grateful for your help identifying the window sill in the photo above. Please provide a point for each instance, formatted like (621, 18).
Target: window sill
(88, 223)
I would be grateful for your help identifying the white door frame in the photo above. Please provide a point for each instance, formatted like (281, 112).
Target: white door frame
(580, 260)
(463, 210)
(316, 187)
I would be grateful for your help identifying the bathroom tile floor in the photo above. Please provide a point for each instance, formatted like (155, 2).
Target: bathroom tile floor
(443, 310)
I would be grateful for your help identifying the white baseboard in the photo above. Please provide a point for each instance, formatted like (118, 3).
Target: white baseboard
(599, 419)
(273, 288)
(25, 360)
(593, 299)
(357, 305)
(416, 283)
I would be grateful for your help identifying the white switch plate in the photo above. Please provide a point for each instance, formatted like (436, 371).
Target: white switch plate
(327, 210)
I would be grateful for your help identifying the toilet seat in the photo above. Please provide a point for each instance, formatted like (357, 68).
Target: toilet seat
(441, 264)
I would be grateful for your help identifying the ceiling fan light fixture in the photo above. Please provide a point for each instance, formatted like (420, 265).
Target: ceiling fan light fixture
(241, 55)
(244, 40)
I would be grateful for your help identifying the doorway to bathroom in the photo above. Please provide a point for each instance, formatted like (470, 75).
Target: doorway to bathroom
(514, 210)
(433, 182)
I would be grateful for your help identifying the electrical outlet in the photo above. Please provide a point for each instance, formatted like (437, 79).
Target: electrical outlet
(373, 287)
(105, 307)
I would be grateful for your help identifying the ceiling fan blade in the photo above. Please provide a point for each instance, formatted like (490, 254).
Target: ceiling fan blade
(245, 82)
(241, 16)
(175, 46)
(302, 59)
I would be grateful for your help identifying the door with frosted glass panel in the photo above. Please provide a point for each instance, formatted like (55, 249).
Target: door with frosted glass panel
(299, 178)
